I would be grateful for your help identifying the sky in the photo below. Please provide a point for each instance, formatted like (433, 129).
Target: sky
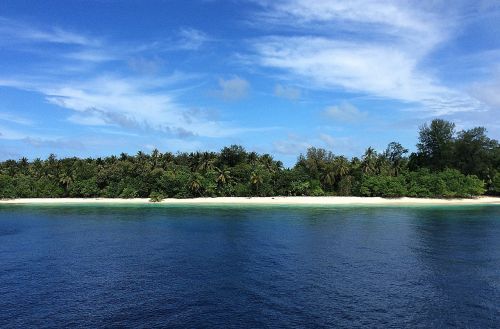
(100, 77)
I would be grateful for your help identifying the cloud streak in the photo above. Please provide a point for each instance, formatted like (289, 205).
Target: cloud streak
(15, 32)
(127, 100)
(372, 49)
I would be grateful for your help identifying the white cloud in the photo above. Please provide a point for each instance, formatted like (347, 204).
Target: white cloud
(14, 118)
(129, 103)
(287, 92)
(14, 31)
(488, 92)
(35, 139)
(351, 15)
(59, 143)
(11, 134)
(232, 89)
(191, 39)
(345, 112)
(372, 48)
(127, 100)
(92, 56)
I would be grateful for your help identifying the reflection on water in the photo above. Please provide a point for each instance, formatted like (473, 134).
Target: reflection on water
(143, 266)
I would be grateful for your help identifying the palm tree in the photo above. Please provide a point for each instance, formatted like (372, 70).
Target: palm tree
(36, 168)
(66, 179)
(194, 161)
(141, 157)
(267, 161)
(252, 158)
(256, 180)
(368, 164)
(195, 184)
(223, 176)
(381, 164)
(328, 174)
(155, 157)
(206, 162)
(342, 165)
(124, 156)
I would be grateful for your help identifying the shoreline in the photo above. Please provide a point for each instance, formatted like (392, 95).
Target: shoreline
(280, 200)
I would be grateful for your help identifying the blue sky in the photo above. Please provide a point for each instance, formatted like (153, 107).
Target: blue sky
(94, 78)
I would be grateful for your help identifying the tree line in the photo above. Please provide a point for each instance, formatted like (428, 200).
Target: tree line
(446, 164)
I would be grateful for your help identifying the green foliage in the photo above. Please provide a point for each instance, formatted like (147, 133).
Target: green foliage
(449, 183)
(495, 186)
(156, 197)
(84, 189)
(435, 146)
(475, 153)
(346, 186)
(383, 186)
(7, 190)
(129, 193)
(445, 165)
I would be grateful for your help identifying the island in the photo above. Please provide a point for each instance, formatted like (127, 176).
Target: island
(446, 165)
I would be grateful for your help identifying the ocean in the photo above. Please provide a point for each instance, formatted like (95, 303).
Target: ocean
(158, 266)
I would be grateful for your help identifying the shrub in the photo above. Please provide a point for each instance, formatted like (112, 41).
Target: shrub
(7, 190)
(156, 197)
(87, 188)
(345, 186)
(449, 183)
(383, 186)
(128, 193)
(495, 185)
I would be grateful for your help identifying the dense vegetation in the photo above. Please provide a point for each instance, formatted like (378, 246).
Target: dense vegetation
(446, 164)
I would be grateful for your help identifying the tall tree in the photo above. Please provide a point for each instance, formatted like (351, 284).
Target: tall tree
(368, 165)
(435, 145)
(476, 154)
(395, 154)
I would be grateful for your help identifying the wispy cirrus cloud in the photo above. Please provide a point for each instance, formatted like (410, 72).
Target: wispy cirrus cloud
(191, 39)
(129, 103)
(127, 100)
(14, 31)
(372, 49)
(14, 118)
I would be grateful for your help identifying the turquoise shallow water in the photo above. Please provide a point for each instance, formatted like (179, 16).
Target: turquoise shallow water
(221, 266)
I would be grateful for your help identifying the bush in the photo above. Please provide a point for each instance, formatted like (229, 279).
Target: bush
(383, 186)
(87, 188)
(174, 183)
(7, 190)
(345, 186)
(495, 185)
(128, 193)
(156, 197)
(449, 183)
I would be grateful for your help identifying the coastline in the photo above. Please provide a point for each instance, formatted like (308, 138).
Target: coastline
(281, 200)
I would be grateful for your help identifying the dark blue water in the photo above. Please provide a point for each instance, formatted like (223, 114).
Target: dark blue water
(151, 266)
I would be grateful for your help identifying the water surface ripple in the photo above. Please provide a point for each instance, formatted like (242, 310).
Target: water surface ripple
(250, 267)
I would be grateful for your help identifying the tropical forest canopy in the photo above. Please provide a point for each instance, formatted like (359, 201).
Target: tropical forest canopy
(446, 164)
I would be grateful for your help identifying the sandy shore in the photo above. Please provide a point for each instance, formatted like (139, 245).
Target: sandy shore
(267, 201)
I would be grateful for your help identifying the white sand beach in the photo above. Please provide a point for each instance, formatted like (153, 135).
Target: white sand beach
(299, 200)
